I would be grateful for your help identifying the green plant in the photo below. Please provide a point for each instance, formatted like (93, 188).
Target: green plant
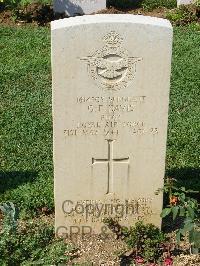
(10, 217)
(183, 15)
(182, 205)
(10, 4)
(13, 4)
(54, 253)
(31, 241)
(197, 3)
(124, 3)
(114, 226)
(25, 9)
(152, 4)
(146, 240)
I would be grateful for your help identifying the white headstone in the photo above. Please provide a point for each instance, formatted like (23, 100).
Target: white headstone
(111, 79)
(74, 7)
(184, 2)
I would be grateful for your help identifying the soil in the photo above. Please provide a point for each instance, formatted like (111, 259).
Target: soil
(96, 250)
(34, 13)
(100, 251)
(42, 15)
(158, 12)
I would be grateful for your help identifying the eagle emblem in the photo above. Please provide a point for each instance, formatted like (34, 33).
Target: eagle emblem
(111, 66)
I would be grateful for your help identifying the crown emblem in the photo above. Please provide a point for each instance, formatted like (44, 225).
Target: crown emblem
(112, 39)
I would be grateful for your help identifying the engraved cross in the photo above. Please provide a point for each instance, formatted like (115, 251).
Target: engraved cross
(110, 162)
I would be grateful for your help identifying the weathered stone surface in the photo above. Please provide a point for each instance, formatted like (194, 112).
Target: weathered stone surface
(184, 2)
(111, 79)
(74, 7)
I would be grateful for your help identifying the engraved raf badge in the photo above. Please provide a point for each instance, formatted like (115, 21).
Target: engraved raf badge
(111, 66)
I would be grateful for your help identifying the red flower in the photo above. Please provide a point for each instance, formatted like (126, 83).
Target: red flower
(168, 261)
(139, 260)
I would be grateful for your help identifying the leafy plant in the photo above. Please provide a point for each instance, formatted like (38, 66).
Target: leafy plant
(124, 3)
(182, 205)
(10, 217)
(197, 3)
(115, 227)
(183, 15)
(9, 4)
(25, 9)
(12, 4)
(146, 239)
(152, 4)
(22, 242)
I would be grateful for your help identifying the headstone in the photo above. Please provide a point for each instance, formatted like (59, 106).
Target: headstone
(111, 79)
(184, 2)
(76, 7)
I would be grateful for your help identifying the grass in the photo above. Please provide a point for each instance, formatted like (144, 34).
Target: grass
(151, 4)
(26, 127)
(183, 149)
(146, 4)
(26, 122)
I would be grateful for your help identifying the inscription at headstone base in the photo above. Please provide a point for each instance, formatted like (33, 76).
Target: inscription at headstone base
(76, 7)
(111, 79)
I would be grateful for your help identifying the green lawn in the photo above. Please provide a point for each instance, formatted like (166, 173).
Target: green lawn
(26, 123)
(183, 149)
(26, 140)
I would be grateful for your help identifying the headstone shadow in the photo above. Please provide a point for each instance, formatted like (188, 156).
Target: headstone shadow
(70, 8)
(190, 179)
(125, 261)
(13, 179)
(187, 177)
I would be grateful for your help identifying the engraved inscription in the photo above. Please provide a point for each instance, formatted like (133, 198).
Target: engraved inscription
(111, 66)
(111, 120)
(110, 161)
(97, 210)
(110, 99)
(107, 127)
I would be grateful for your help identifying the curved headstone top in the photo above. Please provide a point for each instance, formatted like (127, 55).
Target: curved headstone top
(110, 18)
